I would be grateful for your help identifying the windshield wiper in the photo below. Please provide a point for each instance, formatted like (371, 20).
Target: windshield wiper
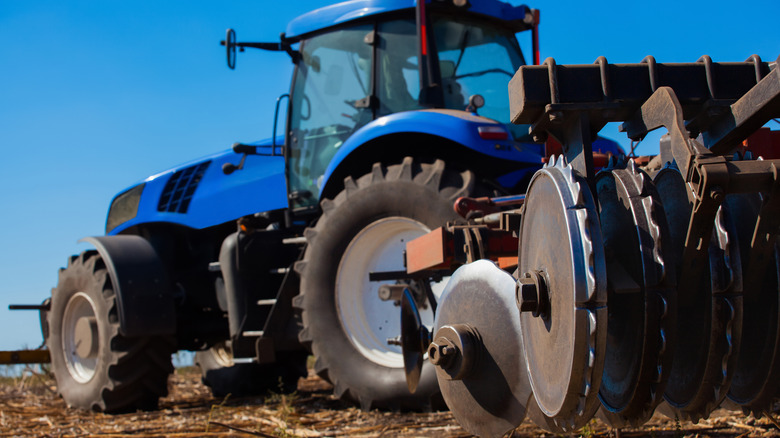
(462, 50)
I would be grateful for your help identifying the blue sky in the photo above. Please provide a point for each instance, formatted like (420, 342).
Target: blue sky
(96, 95)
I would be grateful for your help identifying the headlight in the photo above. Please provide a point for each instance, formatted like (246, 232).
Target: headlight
(124, 207)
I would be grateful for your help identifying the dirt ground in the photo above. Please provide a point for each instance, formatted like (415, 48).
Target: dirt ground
(29, 406)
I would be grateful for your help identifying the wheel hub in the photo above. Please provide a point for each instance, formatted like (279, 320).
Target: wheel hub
(455, 349)
(86, 337)
(80, 337)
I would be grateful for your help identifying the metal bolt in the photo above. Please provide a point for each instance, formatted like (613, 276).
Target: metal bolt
(391, 292)
(531, 293)
(441, 352)
(540, 137)
(556, 116)
(717, 194)
(394, 341)
(527, 295)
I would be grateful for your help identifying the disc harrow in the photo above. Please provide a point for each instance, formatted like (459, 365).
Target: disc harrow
(634, 290)
(709, 296)
(757, 372)
(642, 302)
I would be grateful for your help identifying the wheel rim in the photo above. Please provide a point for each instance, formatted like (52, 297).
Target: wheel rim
(367, 320)
(80, 337)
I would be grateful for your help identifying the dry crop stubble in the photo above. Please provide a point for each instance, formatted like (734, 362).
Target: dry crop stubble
(30, 406)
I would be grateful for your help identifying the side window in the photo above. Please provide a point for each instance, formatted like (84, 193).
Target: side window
(334, 74)
(398, 79)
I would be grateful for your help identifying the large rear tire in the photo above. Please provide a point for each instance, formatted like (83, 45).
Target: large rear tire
(95, 366)
(365, 229)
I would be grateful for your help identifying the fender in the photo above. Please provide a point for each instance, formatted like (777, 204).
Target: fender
(457, 126)
(144, 299)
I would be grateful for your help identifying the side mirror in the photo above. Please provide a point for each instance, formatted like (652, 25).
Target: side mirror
(230, 47)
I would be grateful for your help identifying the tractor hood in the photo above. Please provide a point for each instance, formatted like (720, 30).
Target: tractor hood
(199, 195)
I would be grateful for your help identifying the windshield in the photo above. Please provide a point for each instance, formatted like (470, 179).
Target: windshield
(476, 58)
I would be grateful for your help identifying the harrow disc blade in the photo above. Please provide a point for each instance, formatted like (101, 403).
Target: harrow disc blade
(709, 300)
(413, 337)
(490, 398)
(564, 337)
(642, 302)
(757, 374)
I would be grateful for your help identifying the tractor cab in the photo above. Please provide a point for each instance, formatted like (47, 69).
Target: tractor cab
(393, 58)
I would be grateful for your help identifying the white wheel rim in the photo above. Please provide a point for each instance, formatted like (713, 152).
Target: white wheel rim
(82, 369)
(367, 320)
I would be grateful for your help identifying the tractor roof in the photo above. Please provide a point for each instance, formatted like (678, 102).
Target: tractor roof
(340, 13)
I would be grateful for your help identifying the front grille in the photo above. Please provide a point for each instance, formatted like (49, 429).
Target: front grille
(178, 191)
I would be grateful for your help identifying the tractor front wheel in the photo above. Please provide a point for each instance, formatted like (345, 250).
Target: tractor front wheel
(95, 366)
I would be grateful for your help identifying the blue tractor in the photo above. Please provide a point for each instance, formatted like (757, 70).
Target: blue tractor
(259, 256)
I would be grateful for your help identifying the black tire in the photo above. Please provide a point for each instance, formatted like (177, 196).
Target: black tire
(95, 366)
(420, 192)
(224, 377)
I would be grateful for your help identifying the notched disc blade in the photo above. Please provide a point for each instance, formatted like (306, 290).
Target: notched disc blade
(492, 399)
(709, 322)
(642, 302)
(560, 238)
(757, 374)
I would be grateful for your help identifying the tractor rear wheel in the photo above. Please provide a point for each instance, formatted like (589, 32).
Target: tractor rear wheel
(365, 229)
(95, 366)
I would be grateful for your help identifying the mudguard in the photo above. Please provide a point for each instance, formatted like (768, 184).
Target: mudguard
(143, 296)
(456, 126)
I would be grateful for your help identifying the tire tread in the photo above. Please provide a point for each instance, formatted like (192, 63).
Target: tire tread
(136, 372)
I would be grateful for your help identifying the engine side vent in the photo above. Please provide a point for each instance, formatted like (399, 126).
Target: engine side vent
(178, 191)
